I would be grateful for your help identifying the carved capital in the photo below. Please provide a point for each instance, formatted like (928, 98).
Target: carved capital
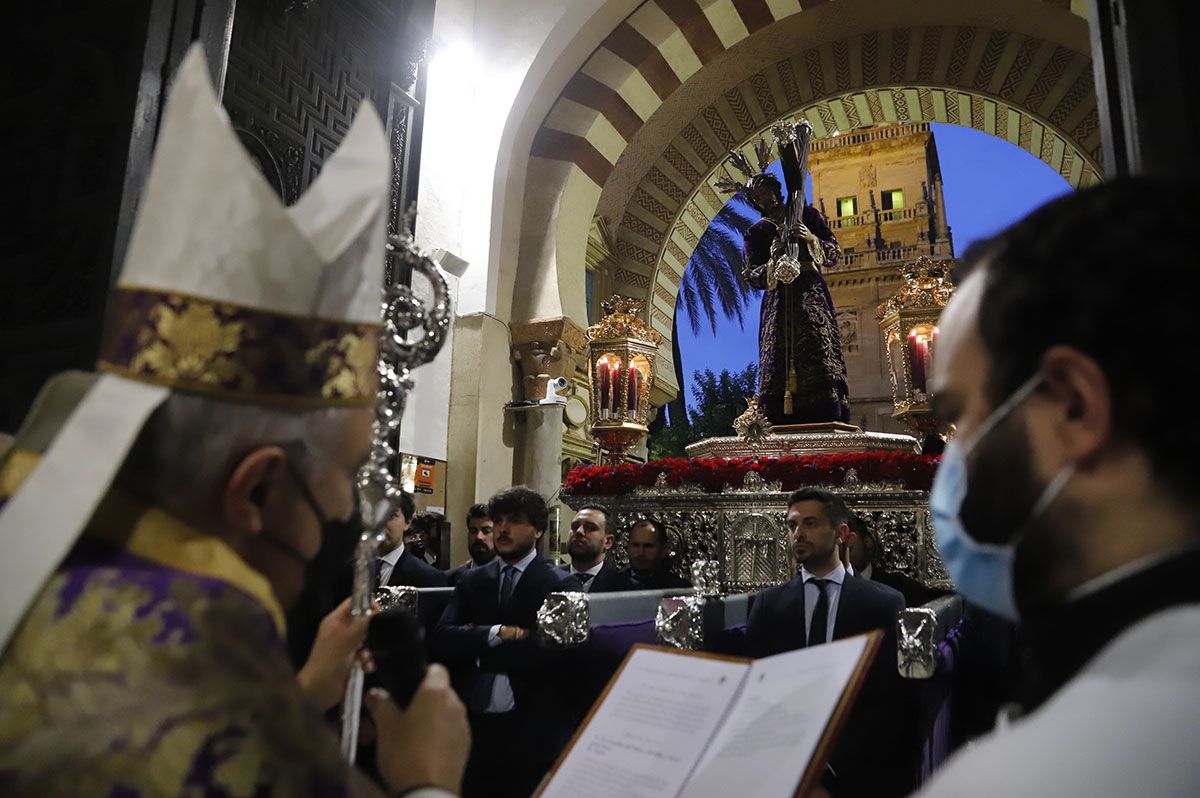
(547, 348)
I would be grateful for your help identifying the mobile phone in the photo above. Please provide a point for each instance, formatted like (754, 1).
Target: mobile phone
(396, 641)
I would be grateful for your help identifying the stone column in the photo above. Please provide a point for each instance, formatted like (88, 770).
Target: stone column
(539, 459)
(544, 349)
(479, 452)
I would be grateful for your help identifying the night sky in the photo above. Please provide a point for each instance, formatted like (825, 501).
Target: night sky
(989, 184)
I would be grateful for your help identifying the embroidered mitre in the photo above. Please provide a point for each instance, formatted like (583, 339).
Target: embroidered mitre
(224, 292)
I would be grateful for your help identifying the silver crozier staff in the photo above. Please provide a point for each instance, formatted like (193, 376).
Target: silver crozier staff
(378, 489)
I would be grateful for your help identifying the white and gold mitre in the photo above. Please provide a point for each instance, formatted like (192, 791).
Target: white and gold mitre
(225, 292)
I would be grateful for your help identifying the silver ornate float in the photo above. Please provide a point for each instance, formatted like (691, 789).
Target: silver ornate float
(743, 530)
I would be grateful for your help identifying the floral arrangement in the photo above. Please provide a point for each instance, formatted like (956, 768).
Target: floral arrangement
(913, 471)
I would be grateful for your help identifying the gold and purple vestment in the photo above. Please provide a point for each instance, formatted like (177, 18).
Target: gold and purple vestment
(152, 664)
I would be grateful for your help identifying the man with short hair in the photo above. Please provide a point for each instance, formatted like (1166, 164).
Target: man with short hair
(399, 564)
(824, 603)
(649, 550)
(1067, 499)
(862, 548)
(588, 545)
(479, 543)
(487, 637)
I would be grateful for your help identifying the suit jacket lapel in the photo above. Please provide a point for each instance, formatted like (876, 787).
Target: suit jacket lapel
(793, 607)
(397, 569)
(605, 576)
(847, 611)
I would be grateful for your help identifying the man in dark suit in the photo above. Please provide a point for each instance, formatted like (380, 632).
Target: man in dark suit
(589, 544)
(875, 753)
(649, 550)
(862, 548)
(398, 565)
(479, 543)
(486, 637)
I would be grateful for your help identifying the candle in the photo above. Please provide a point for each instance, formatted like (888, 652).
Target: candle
(634, 390)
(916, 363)
(932, 346)
(604, 389)
(614, 395)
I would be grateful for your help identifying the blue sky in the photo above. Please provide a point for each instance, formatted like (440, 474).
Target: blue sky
(988, 184)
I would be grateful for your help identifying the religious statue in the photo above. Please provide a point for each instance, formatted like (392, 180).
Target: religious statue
(801, 373)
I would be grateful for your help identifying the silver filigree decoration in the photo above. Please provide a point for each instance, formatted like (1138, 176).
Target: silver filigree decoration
(787, 269)
(680, 622)
(758, 552)
(916, 649)
(378, 488)
(706, 577)
(780, 443)
(564, 620)
(389, 597)
(851, 480)
(753, 482)
(752, 425)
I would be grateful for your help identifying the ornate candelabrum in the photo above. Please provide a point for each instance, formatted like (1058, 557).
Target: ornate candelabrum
(378, 487)
(909, 324)
(621, 351)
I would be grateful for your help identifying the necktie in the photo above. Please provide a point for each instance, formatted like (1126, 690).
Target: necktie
(481, 694)
(818, 629)
(506, 583)
(583, 578)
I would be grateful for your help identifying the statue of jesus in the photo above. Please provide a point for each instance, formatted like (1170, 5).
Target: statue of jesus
(801, 373)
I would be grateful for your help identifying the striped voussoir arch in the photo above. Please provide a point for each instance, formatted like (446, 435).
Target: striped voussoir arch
(1034, 93)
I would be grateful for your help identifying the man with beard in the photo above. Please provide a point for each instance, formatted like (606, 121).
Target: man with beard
(824, 603)
(649, 550)
(1067, 501)
(479, 543)
(486, 637)
(588, 546)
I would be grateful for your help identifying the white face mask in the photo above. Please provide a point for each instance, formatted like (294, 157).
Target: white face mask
(982, 572)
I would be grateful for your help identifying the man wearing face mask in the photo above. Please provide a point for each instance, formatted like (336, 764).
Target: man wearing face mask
(1066, 500)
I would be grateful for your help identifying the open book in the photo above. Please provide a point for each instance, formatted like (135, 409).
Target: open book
(674, 723)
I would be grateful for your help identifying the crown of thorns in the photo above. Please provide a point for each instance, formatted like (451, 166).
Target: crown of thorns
(762, 153)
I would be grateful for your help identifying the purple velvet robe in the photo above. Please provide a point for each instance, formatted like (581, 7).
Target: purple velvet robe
(798, 327)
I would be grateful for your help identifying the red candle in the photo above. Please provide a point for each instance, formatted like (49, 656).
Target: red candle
(916, 362)
(614, 395)
(604, 388)
(635, 377)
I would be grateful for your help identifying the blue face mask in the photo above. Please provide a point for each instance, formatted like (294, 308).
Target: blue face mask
(982, 572)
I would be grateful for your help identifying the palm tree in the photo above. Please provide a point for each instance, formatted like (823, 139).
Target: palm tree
(712, 286)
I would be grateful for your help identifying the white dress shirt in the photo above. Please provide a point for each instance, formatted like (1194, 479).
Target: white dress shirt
(387, 564)
(586, 585)
(502, 694)
(833, 591)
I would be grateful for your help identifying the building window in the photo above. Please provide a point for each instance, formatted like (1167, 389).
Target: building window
(892, 200)
(847, 206)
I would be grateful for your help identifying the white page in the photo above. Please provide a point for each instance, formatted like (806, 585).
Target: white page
(645, 738)
(772, 731)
